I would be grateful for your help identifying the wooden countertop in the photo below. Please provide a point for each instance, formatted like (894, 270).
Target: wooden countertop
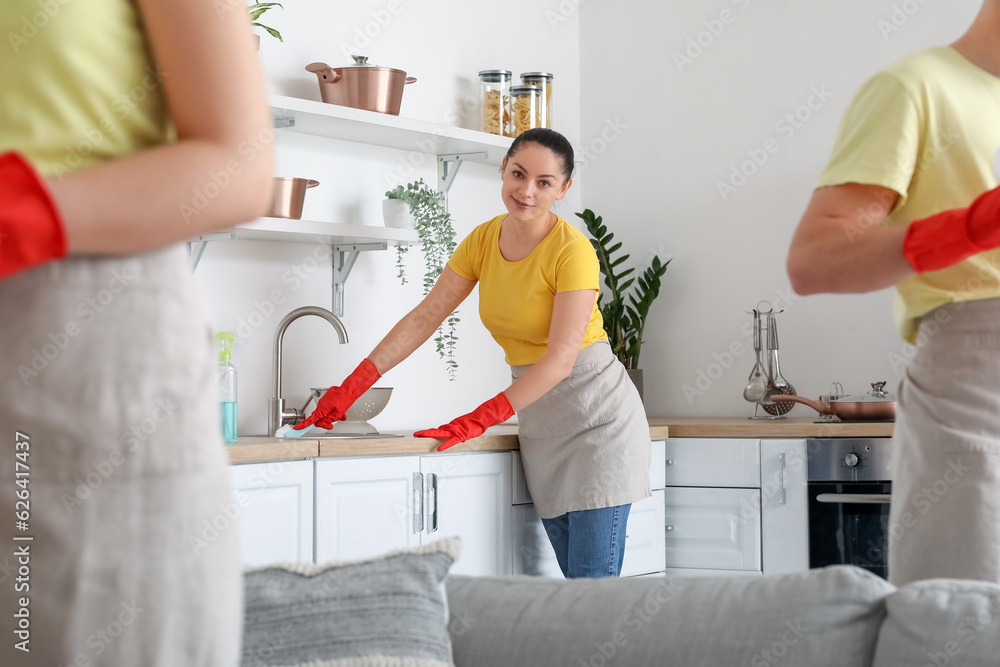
(255, 449)
(790, 427)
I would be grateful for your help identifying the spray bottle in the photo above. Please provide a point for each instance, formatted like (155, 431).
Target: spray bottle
(226, 375)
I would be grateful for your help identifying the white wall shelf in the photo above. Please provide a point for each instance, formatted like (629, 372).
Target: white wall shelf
(379, 129)
(451, 145)
(317, 232)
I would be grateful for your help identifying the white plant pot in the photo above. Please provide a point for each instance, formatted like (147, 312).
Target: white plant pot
(396, 213)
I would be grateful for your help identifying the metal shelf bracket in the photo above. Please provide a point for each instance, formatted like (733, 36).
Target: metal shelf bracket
(448, 166)
(197, 248)
(344, 257)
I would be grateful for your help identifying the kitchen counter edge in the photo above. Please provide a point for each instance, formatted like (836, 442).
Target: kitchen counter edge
(257, 449)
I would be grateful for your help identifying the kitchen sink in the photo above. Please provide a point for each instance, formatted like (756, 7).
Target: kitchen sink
(343, 436)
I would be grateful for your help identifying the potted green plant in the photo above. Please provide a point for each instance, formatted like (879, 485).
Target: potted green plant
(624, 312)
(437, 242)
(257, 10)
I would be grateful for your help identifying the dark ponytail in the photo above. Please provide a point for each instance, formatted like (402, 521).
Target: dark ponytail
(550, 139)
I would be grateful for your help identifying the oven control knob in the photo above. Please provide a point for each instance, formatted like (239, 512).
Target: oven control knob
(851, 460)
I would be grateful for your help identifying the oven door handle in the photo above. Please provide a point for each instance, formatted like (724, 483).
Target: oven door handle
(854, 498)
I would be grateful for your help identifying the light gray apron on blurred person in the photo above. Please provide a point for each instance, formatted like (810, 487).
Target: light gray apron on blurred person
(107, 369)
(944, 520)
(585, 444)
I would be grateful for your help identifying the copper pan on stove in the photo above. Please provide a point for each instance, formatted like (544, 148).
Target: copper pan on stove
(876, 405)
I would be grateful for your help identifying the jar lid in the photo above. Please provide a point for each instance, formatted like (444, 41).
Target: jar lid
(536, 75)
(495, 75)
(525, 90)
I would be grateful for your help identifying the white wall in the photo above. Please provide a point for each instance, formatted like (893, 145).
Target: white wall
(444, 43)
(686, 126)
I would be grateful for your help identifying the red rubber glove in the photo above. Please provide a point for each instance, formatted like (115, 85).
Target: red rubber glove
(472, 425)
(31, 231)
(334, 403)
(946, 238)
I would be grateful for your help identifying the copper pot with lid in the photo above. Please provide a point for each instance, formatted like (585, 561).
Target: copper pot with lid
(361, 85)
(876, 405)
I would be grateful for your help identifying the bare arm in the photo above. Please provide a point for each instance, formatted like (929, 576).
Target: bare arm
(570, 315)
(840, 246)
(215, 93)
(448, 292)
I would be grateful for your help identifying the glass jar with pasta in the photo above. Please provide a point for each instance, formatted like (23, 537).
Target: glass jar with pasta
(544, 81)
(525, 102)
(495, 86)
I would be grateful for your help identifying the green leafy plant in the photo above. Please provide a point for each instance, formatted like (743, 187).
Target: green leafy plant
(437, 242)
(257, 10)
(624, 322)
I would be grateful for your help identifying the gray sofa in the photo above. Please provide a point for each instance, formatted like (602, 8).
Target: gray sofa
(834, 616)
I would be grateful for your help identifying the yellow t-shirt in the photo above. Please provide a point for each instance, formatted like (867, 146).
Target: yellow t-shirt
(927, 127)
(77, 84)
(515, 298)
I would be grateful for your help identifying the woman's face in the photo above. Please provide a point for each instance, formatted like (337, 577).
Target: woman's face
(532, 181)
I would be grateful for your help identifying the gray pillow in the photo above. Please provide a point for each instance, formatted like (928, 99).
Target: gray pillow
(388, 611)
(953, 622)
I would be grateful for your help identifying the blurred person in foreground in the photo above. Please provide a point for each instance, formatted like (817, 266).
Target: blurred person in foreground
(909, 199)
(126, 127)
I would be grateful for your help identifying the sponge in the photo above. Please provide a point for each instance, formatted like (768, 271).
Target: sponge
(287, 431)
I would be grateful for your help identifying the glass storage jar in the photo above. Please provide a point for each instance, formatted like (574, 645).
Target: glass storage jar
(495, 86)
(544, 81)
(525, 102)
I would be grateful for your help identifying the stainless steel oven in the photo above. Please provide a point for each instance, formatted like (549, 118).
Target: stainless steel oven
(849, 487)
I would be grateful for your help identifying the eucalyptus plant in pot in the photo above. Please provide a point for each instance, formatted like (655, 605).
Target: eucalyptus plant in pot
(437, 242)
(624, 312)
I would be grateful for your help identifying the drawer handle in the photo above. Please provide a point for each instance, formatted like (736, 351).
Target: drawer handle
(670, 529)
(670, 462)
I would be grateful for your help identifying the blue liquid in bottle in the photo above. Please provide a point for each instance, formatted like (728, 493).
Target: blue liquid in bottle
(228, 421)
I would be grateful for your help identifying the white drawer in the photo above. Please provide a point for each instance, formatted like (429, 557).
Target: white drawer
(710, 528)
(722, 462)
(644, 545)
(657, 479)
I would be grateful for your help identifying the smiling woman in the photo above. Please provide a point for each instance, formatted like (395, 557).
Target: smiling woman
(583, 434)
(114, 115)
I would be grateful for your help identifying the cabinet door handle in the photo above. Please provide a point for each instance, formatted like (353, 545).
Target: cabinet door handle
(670, 529)
(418, 502)
(432, 524)
(781, 478)
(670, 462)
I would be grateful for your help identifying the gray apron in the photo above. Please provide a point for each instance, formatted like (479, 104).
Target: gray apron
(585, 444)
(107, 375)
(944, 520)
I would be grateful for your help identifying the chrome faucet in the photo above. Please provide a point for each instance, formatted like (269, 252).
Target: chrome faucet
(277, 415)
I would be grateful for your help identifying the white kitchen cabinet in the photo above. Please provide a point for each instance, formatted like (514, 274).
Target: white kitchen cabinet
(368, 506)
(712, 528)
(468, 495)
(273, 509)
(784, 506)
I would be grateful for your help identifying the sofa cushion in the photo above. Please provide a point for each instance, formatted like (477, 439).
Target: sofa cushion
(942, 622)
(821, 617)
(388, 611)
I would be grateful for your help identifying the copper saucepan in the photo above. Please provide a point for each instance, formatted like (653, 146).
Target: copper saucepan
(289, 196)
(361, 85)
(876, 405)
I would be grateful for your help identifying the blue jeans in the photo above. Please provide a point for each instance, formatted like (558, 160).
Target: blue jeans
(589, 543)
